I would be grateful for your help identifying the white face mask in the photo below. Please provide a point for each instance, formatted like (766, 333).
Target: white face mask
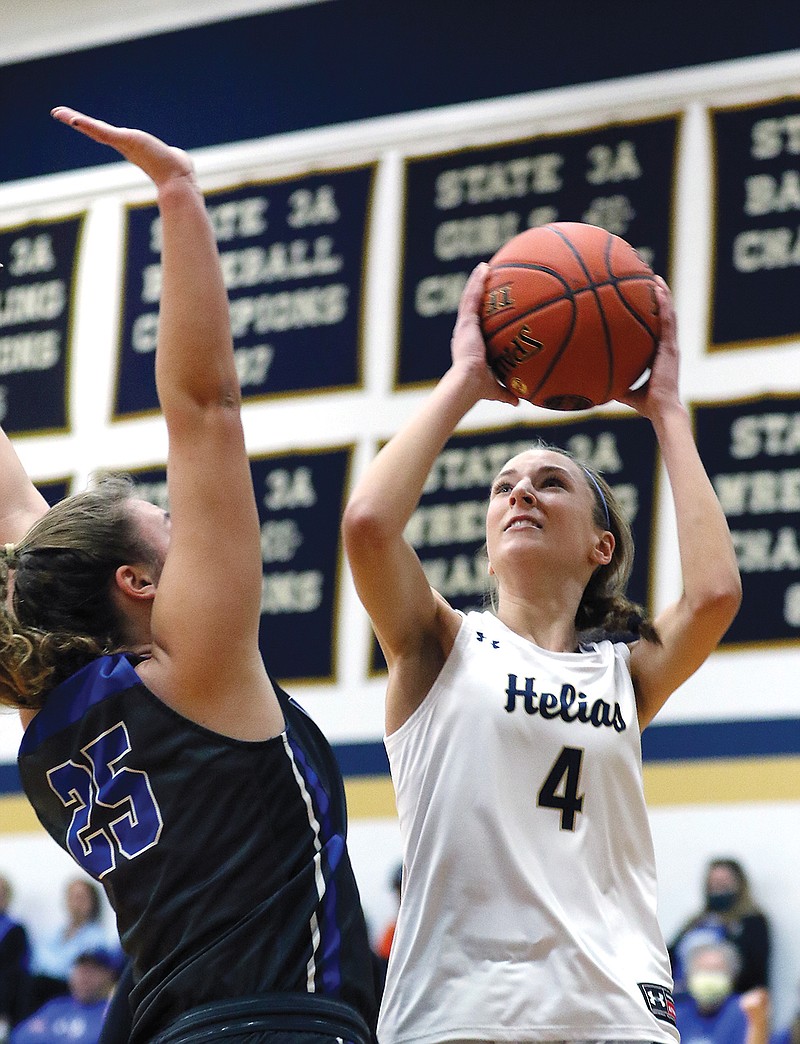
(710, 988)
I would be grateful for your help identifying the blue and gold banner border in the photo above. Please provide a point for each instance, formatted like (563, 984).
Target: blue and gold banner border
(700, 763)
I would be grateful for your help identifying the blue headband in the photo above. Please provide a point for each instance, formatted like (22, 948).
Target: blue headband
(596, 485)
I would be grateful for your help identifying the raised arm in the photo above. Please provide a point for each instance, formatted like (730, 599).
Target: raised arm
(414, 625)
(205, 657)
(21, 504)
(692, 627)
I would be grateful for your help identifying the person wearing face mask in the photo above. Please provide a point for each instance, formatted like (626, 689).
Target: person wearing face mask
(711, 1011)
(731, 914)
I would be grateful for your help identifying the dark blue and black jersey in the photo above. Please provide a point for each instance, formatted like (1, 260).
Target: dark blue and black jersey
(225, 861)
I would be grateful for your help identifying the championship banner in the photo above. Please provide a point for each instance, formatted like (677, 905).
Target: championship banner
(151, 484)
(300, 501)
(751, 450)
(448, 529)
(300, 498)
(756, 256)
(460, 207)
(54, 490)
(37, 285)
(293, 260)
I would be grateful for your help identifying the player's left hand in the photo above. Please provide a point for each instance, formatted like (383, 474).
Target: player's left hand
(468, 348)
(162, 163)
(661, 388)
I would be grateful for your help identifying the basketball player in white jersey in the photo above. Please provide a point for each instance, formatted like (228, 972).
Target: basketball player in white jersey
(529, 892)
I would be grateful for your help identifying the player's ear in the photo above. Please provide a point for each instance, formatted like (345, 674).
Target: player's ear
(603, 550)
(135, 581)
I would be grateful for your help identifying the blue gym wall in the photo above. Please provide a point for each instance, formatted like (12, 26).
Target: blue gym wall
(336, 62)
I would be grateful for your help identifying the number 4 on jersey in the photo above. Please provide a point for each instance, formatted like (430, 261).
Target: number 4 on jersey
(560, 789)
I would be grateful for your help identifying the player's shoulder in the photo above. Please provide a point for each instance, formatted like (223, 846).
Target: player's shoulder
(74, 698)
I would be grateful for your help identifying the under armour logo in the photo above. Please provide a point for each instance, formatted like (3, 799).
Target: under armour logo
(659, 1000)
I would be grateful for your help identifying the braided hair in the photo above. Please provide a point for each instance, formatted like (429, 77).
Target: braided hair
(56, 607)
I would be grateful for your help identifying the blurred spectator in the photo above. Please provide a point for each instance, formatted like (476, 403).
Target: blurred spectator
(380, 951)
(77, 1017)
(14, 961)
(82, 931)
(789, 1034)
(384, 944)
(729, 913)
(711, 1011)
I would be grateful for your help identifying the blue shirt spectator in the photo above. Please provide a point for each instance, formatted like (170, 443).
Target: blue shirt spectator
(726, 1025)
(78, 1017)
(711, 1011)
(62, 1019)
(54, 955)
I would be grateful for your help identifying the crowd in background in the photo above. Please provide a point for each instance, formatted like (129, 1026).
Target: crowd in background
(56, 987)
(721, 964)
(721, 959)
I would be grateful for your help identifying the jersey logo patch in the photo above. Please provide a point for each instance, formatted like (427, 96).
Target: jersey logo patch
(659, 1000)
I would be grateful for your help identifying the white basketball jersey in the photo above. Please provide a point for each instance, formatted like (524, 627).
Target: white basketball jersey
(529, 890)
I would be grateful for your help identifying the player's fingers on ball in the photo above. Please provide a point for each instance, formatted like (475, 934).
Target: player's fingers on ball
(473, 290)
(509, 397)
(668, 324)
(666, 307)
(664, 295)
(478, 274)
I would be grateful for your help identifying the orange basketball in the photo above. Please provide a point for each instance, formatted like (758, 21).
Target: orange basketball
(569, 316)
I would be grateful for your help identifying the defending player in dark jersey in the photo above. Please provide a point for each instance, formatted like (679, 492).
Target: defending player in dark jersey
(158, 751)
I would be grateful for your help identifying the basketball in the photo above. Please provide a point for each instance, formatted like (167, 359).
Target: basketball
(569, 316)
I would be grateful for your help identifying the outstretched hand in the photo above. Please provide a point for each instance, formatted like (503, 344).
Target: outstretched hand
(161, 162)
(755, 1004)
(756, 1007)
(468, 348)
(662, 386)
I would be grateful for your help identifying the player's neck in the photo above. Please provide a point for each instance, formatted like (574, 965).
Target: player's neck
(548, 627)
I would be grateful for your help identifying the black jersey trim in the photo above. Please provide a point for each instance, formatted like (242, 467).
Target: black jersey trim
(307, 1013)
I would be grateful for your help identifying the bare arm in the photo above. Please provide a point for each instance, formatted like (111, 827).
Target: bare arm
(414, 625)
(21, 504)
(692, 627)
(205, 657)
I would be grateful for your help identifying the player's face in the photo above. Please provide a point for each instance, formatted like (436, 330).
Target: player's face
(540, 503)
(154, 526)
